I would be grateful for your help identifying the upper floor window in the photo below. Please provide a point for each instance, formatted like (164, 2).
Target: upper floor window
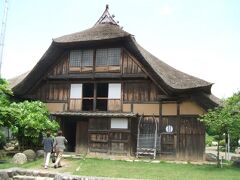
(108, 57)
(75, 58)
(80, 58)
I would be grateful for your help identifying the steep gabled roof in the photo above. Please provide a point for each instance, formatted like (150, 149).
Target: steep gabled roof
(96, 33)
(15, 81)
(172, 77)
(173, 80)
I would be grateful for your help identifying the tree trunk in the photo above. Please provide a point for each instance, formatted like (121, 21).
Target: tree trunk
(218, 158)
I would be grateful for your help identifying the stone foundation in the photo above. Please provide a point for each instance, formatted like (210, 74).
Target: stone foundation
(23, 174)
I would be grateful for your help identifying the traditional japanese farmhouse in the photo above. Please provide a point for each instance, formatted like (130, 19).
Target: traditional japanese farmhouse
(112, 96)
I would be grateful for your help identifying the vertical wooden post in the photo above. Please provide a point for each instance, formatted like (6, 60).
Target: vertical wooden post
(77, 137)
(121, 100)
(109, 137)
(94, 61)
(94, 96)
(159, 124)
(178, 130)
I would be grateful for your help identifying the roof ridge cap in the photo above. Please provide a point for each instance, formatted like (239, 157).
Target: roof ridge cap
(106, 18)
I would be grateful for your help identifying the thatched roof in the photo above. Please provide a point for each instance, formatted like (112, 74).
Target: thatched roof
(174, 79)
(97, 32)
(102, 33)
(16, 80)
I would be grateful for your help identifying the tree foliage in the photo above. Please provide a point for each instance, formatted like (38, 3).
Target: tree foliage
(5, 110)
(27, 120)
(31, 120)
(224, 119)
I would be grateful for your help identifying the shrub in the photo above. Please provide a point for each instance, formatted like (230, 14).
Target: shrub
(208, 140)
(222, 143)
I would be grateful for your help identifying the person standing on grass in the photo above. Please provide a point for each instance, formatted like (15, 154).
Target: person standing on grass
(48, 147)
(59, 145)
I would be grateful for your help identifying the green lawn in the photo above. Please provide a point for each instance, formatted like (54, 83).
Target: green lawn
(139, 170)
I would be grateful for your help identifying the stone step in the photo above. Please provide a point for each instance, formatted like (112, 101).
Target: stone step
(22, 177)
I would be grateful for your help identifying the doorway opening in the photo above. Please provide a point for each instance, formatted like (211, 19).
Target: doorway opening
(68, 127)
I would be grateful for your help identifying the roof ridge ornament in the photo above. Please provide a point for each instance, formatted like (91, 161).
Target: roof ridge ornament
(106, 18)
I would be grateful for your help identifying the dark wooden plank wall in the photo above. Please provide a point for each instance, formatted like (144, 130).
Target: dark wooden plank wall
(191, 138)
(168, 146)
(61, 67)
(41, 92)
(114, 105)
(82, 136)
(57, 92)
(103, 139)
(75, 104)
(140, 92)
(132, 92)
(130, 65)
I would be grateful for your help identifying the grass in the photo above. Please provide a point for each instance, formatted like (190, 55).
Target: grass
(139, 170)
(29, 165)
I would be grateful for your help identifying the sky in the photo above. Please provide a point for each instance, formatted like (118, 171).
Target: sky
(200, 37)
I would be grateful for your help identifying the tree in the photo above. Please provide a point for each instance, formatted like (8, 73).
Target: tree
(27, 120)
(224, 119)
(5, 110)
(31, 120)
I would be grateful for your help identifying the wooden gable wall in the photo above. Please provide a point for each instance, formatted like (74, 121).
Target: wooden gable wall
(129, 65)
(53, 88)
(139, 93)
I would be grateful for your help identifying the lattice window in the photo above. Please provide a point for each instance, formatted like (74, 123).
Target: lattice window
(87, 57)
(75, 58)
(114, 55)
(80, 58)
(110, 56)
(101, 57)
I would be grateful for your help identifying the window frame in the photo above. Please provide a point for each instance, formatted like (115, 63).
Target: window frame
(80, 60)
(107, 55)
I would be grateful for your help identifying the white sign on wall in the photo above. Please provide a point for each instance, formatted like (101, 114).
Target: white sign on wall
(169, 128)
